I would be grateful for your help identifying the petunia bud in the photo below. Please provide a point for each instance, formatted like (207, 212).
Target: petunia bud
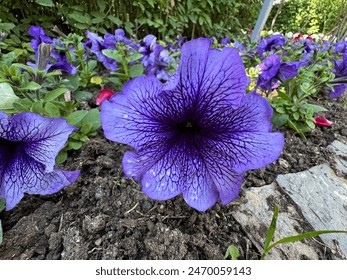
(321, 121)
(105, 93)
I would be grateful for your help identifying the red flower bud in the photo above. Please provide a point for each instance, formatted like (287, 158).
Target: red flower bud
(105, 93)
(321, 121)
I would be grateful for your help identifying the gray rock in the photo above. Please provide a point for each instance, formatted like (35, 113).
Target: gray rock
(322, 198)
(255, 218)
(340, 150)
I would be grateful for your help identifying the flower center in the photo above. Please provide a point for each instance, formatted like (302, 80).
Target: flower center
(188, 127)
(7, 148)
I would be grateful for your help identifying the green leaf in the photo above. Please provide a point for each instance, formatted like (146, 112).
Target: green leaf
(25, 67)
(6, 26)
(136, 70)
(114, 54)
(7, 96)
(61, 157)
(303, 236)
(82, 95)
(232, 252)
(31, 86)
(93, 118)
(76, 117)
(272, 228)
(22, 105)
(54, 94)
(52, 110)
(86, 128)
(74, 145)
(115, 20)
(315, 108)
(134, 57)
(2, 204)
(279, 119)
(45, 3)
(37, 107)
(101, 5)
(81, 18)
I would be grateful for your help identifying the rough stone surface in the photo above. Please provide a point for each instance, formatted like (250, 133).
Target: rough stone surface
(322, 198)
(340, 151)
(255, 217)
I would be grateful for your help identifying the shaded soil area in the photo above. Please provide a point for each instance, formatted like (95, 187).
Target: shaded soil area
(106, 216)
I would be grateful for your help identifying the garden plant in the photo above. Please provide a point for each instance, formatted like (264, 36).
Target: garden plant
(185, 114)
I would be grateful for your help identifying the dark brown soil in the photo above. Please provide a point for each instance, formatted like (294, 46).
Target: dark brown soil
(106, 216)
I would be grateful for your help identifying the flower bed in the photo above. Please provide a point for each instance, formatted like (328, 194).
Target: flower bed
(108, 215)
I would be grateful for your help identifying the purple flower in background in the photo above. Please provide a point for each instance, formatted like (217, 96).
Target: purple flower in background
(155, 58)
(340, 71)
(197, 134)
(225, 41)
(158, 62)
(273, 70)
(239, 46)
(270, 44)
(340, 47)
(96, 44)
(59, 56)
(29, 144)
(146, 48)
(39, 37)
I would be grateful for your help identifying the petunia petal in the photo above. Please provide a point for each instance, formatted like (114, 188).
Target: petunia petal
(243, 138)
(181, 170)
(43, 138)
(209, 75)
(136, 116)
(25, 175)
(338, 90)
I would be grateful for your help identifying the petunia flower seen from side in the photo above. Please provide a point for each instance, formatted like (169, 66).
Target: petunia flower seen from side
(29, 144)
(197, 134)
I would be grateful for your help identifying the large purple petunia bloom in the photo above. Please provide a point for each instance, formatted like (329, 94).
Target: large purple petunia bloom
(29, 144)
(196, 135)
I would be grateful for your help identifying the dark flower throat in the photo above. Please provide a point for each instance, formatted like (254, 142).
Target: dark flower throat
(188, 127)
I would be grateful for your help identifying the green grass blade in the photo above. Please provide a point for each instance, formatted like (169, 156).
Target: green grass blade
(272, 228)
(299, 237)
(232, 252)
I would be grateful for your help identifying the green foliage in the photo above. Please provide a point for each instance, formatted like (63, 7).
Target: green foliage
(291, 105)
(27, 89)
(232, 253)
(162, 18)
(309, 16)
(290, 239)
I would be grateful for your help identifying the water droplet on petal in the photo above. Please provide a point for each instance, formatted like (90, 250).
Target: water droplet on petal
(125, 116)
(168, 172)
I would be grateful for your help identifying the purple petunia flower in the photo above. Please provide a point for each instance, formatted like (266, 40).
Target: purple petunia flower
(197, 134)
(225, 41)
(97, 45)
(39, 37)
(155, 58)
(340, 70)
(270, 44)
(340, 47)
(273, 70)
(29, 144)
